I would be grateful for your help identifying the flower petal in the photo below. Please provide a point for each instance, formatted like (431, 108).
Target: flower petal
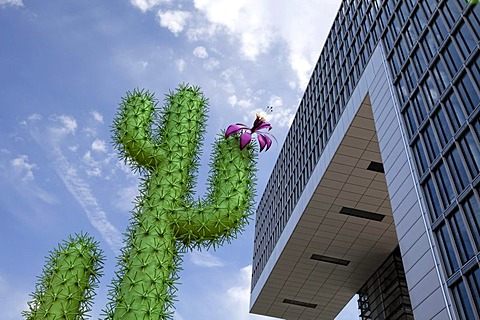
(260, 124)
(269, 142)
(264, 141)
(245, 139)
(234, 128)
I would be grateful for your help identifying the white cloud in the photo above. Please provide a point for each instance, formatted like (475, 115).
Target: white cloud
(240, 103)
(66, 125)
(34, 117)
(13, 3)
(80, 190)
(99, 145)
(235, 301)
(125, 197)
(257, 25)
(205, 259)
(143, 64)
(146, 5)
(180, 64)
(21, 166)
(211, 64)
(97, 116)
(94, 167)
(90, 132)
(244, 20)
(173, 20)
(200, 52)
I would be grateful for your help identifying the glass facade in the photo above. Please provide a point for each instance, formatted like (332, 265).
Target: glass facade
(385, 294)
(432, 53)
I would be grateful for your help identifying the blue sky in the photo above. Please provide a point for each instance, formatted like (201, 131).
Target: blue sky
(64, 66)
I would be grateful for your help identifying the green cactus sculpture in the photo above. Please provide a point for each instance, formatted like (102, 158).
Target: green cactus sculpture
(66, 288)
(167, 221)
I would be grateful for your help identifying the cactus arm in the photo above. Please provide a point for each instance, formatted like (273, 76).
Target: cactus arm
(65, 290)
(229, 202)
(182, 129)
(131, 130)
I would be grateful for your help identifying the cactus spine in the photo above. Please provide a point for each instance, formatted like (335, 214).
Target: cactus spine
(167, 221)
(66, 288)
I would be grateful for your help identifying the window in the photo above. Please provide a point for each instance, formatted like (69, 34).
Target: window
(451, 12)
(459, 174)
(430, 92)
(430, 143)
(409, 117)
(419, 19)
(441, 127)
(452, 59)
(447, 249)
(429, 6)
(439, 74)
(429, 44)
(473, 279)
(444, 186)
(467, 92)
(419, 107)
(420, 157)
(432, 199)
(455, 111)
(419, 61)
(471, 153)
(461, 236)
(410, 77)
(465, 40)
(464, 307)
(472, 213)
(439, 29)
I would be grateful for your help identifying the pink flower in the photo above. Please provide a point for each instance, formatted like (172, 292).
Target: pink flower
(246, 133)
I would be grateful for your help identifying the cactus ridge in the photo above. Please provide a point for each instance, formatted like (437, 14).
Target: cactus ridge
(66, 288)
(164, 146)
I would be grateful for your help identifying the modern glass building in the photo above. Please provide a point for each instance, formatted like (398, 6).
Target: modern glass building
(376, 189)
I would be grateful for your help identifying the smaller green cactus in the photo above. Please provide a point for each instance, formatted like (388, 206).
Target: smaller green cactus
(66, 288)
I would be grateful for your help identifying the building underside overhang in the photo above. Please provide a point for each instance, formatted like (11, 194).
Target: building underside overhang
(341, 238)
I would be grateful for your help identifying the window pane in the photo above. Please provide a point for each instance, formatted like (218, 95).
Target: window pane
(461, 236)
(439, 29)
(451, 12)
(459, 174)
(465, 40)
(412, 124)
(455, 111)
(464, 307)
(419, 107)
(452, 58)
(419, 61)
(472, 212)
(471, 153)
(444, 186)
(448, 253)
(442, 128)
(474, 283)
(430, 92)
(420, 156)
(430, 143)
(468, 94)
(432, 199)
